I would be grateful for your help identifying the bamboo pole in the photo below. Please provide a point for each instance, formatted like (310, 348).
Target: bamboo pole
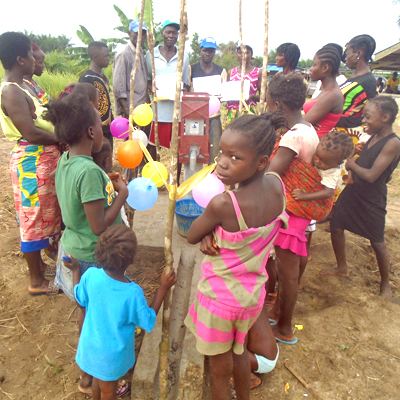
(244, 56)
(264, 75)
(151, 42)
(169, 260)
(130, 211)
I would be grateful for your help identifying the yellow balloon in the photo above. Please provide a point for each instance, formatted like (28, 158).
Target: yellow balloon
(151, 173)
(143, 115)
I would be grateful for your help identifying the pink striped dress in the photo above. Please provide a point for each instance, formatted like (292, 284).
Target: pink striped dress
(232, 289)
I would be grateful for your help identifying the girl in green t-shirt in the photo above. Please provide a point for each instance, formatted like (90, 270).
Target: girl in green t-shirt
(85, 193)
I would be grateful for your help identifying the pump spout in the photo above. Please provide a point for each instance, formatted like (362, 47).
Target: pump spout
(193, 153)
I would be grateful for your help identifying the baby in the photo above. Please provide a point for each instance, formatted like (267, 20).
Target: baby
(331, 151)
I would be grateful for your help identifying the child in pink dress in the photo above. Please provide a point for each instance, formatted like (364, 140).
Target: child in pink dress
(236, 231)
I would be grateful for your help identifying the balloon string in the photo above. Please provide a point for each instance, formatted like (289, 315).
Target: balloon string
(148, 180)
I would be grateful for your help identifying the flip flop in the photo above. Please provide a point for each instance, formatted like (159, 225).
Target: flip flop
(122, 390)
(287, 340)
(52, 290)
(272, 322)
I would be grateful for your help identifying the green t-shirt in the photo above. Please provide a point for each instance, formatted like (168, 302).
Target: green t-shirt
(79, 180)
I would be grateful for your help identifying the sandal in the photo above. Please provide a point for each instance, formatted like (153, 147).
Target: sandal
(52, 290)
(122, 389)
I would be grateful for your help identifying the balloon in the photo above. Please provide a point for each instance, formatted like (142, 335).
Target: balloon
(142, 135)
(143, 115)
(120, 128)
(150, 172)
(214, 105)
(129, 154)
(209, 187)
(143, 194)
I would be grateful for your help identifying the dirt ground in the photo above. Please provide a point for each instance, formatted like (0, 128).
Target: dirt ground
(348, 347)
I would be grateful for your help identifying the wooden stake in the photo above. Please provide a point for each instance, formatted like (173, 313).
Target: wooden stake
(151, 40)
(169, 260)
(264, 75)
(303, 382)
(244, 54)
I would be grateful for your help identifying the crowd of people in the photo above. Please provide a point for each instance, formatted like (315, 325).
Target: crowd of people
(288, 168)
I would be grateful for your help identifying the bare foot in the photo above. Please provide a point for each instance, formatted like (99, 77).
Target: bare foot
(335, 272)
(255, 381)
(39, 288)
(386, 290)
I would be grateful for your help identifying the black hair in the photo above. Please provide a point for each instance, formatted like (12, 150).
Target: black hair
(13, 45)
(365, 43)
(386, 105)
(87, 89)
(95, 47)
(105, 151)
(239, 48)
(331, 54)
(289, 90)
(260, 129)
(116, 248)
(338, 142)
(71, 116)
(291, 52)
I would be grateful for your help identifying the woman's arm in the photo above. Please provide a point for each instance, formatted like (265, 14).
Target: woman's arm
(15, 104)
(100, 218)
(389, 153)
(330, 102)
(211, 217)
(282, 160)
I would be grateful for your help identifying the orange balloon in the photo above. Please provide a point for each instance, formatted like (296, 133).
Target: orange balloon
(129, 154)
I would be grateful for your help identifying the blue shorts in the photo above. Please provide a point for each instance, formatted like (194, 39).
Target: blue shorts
(64, 279)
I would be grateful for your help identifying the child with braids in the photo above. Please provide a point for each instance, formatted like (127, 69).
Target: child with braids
(324, 111)
(237, 231)
(296, 147)
(114, 307)
(361, 208)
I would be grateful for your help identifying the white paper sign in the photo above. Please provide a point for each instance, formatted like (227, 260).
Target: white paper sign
(230, 91)
(166, 86)
(208, 84)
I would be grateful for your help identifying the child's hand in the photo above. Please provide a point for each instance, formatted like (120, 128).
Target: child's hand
(120, 186)
(73, 265)
(347, 179)
(168, 280)
(297, 194)
(208, 245)
(350, 163)
(114, 176)
(358, 148)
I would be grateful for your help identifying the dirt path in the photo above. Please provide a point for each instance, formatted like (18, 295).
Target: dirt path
(348, 348)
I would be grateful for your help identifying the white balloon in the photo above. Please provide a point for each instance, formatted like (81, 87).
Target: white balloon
(142, 135)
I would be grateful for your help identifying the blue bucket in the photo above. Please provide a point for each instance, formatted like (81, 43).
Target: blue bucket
(186, 210)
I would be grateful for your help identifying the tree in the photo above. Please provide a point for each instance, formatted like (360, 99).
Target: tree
(305, 63)
(50, 43)
(194, 55)
(272, 56)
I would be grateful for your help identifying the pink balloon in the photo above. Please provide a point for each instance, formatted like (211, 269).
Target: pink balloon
(120, 128)
(209, 187)
(214, 105)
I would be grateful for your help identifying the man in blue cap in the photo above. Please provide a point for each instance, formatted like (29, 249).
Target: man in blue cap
(123, 64)
(206, 67)
(166, 62)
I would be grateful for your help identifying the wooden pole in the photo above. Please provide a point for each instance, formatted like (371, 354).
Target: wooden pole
(137, 56)
(264, 75)
(151, 42)
(244, 56)
(130, 211)
(169, 260)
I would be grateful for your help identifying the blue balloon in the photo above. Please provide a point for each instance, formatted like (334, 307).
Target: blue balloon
(143, 194)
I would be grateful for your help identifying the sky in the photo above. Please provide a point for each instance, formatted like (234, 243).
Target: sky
(310, 24)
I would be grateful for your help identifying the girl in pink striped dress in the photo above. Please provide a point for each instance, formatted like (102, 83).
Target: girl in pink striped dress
(236, 231)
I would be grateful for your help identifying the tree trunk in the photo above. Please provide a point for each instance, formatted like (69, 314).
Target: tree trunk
(244, 54)
(151, 42)
(264, 75)
(164, 345)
